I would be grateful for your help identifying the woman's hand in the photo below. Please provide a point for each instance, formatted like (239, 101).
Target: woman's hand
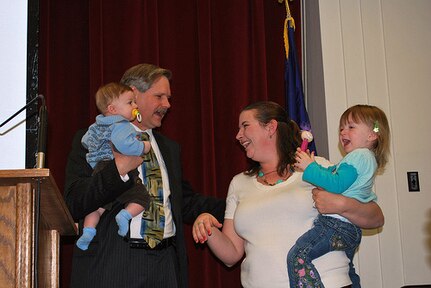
(202, 227)
(328, 203)
(365, 215)
(225, 243)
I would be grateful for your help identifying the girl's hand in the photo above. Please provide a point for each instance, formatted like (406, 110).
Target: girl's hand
(303, 159)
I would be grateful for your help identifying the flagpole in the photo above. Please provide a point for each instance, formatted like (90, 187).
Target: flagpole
(295, 100)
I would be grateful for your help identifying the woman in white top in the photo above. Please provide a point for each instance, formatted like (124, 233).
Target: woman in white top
(269, 206)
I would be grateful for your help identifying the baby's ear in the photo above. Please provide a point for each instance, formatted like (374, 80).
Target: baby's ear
(111, 109)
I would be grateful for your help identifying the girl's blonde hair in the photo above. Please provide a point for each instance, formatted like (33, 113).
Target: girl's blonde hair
(376, 120)
(108, 93)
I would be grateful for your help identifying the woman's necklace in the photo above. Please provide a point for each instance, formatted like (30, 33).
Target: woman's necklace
(262, 176)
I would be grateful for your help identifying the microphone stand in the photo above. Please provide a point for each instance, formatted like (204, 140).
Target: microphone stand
(40, 163)
(41, 136)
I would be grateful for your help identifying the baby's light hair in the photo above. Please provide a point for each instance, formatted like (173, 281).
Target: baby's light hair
(108, 93)
(376, 120)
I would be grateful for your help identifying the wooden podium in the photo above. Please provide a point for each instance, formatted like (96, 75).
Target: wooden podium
(18, 222)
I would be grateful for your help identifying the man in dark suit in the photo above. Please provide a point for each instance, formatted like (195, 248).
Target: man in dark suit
(113, 261)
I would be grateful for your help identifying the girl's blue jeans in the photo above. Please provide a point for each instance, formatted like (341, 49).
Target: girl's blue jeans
(328, 234)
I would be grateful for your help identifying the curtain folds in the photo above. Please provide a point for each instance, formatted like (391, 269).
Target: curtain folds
(224, 55)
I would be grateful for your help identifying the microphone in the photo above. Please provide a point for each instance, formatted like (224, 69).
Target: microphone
(41, 136)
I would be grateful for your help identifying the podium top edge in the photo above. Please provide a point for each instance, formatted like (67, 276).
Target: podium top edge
(25, 173)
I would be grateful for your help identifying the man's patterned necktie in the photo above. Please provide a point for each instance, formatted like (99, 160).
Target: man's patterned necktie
(153, 219)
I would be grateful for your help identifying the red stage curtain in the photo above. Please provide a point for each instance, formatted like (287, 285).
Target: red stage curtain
(223, 54)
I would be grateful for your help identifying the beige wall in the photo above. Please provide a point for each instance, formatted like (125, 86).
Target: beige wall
(379, 52)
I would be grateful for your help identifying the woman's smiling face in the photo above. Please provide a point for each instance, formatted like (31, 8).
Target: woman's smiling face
(252, 134)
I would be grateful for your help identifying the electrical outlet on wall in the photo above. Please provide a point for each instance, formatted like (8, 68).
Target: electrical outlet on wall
(413, 181)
